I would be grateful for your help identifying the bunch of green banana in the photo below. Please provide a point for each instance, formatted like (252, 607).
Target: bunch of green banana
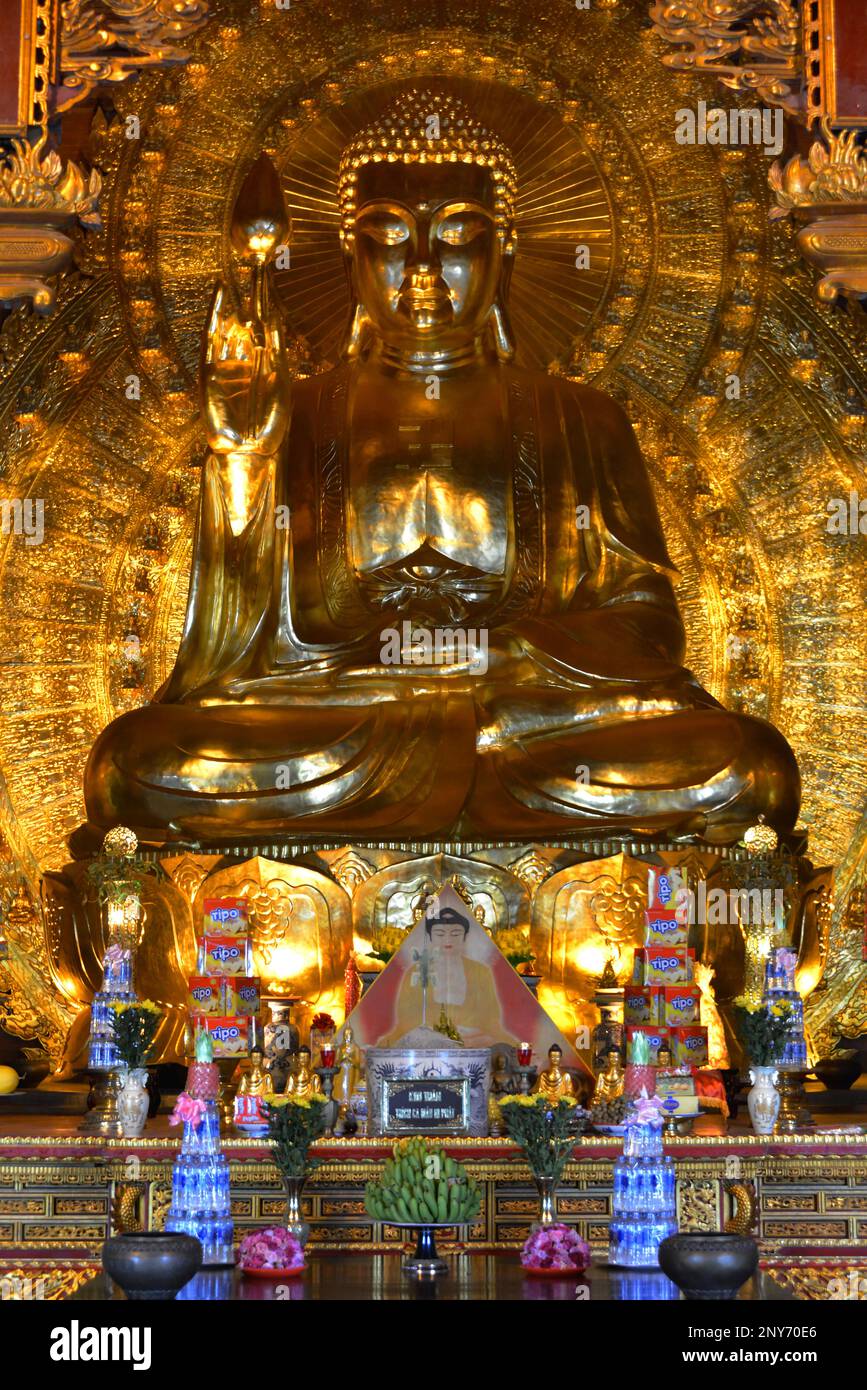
(422, 1185)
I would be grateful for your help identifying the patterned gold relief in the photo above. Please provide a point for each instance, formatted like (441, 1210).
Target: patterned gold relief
(110, 42)
(750, 48)
(742, 485)
(698, 1205)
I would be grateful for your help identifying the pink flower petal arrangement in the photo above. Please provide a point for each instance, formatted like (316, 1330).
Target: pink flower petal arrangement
(556, 1247)
(271, 1248)
(187, 1108)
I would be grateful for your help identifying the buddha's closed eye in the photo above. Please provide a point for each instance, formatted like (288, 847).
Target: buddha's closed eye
(459, 231)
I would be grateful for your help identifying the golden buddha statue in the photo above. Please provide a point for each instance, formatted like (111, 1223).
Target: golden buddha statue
(610, 1082)
(348, 1060)
(553, 1082)
(425, 485)
(255, 1080)
(303, 1081)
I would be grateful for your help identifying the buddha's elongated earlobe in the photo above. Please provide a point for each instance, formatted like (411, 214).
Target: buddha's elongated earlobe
(359, 322)
(503, 340)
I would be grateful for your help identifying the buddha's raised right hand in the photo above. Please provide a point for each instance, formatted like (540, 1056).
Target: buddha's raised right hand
(246, 383)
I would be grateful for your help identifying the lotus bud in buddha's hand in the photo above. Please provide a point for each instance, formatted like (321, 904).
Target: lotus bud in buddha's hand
(245, 378)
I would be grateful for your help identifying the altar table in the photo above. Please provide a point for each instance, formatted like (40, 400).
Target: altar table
(471, 1277)
(64, 1193)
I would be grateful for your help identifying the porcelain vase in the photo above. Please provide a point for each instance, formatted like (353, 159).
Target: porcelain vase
(763, 1100)
(133, 1101)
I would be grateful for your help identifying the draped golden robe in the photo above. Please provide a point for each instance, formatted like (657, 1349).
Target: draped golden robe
(280, 715)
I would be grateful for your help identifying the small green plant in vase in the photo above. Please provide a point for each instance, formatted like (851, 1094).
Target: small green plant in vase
(762, 1030)
(134, 1026)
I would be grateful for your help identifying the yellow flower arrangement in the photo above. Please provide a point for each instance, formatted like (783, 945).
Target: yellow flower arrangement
(134, 1027)
(762, 1029)
(148, 1004)
(303, 1101)
(532, 1100)
(294, 1123)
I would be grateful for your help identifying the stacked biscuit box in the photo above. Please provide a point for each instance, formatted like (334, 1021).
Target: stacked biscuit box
(224, 996)
(661, 1005)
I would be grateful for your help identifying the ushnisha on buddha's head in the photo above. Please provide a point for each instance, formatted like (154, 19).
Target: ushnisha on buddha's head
(427, 203)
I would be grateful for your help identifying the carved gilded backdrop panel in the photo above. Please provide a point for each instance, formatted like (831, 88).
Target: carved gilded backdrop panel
(690, 287)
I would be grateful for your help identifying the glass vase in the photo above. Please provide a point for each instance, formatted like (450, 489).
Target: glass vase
(293, 1220)
(547, 1189)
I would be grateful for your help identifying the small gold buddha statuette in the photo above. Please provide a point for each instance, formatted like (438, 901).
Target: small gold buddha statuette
(609, 1083)
(553, 1082)
(303, 1082)
(256, 1081)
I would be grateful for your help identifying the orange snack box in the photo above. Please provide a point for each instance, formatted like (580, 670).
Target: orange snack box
(224, 955)
(664, 965)
(230, 1034)
(242, 995)
(689, 1045)
(226, 917)
(205, 994)
(680, 1005)
(664, 927)
(641, 1004)
(663, 888)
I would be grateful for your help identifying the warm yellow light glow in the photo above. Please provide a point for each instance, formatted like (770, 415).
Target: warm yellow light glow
(287, 963)
(115, 916)
(590, 957)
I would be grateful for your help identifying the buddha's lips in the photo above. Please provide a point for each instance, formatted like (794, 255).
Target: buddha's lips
(425, 299)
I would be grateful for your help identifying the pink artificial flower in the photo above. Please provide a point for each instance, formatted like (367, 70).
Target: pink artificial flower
(556, 1247)
(187, 1108)
(271, 1248)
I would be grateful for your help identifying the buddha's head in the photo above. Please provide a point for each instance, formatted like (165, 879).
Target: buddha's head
(448, 931)
(427, 200)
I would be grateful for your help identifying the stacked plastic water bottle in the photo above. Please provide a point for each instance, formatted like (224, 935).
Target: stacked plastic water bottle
(116, 989)
(780, 989)
(644, 1205)
(201, 1204)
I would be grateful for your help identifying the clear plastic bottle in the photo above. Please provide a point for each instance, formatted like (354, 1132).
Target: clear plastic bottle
(644, 1210)
(116, 989)
(201, 1199)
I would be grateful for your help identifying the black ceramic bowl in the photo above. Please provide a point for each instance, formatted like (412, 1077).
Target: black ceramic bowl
(151, 1264)
(838, 1072)
(708, 1264)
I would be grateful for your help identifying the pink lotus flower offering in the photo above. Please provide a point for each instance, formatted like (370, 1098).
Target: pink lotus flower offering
(271, 1248)
(556, 1247)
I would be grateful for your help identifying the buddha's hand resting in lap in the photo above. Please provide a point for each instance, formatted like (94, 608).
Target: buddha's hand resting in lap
(246, 382)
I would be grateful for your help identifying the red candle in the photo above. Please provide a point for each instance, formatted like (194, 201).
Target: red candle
(525, 1054)
(327, 1054)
